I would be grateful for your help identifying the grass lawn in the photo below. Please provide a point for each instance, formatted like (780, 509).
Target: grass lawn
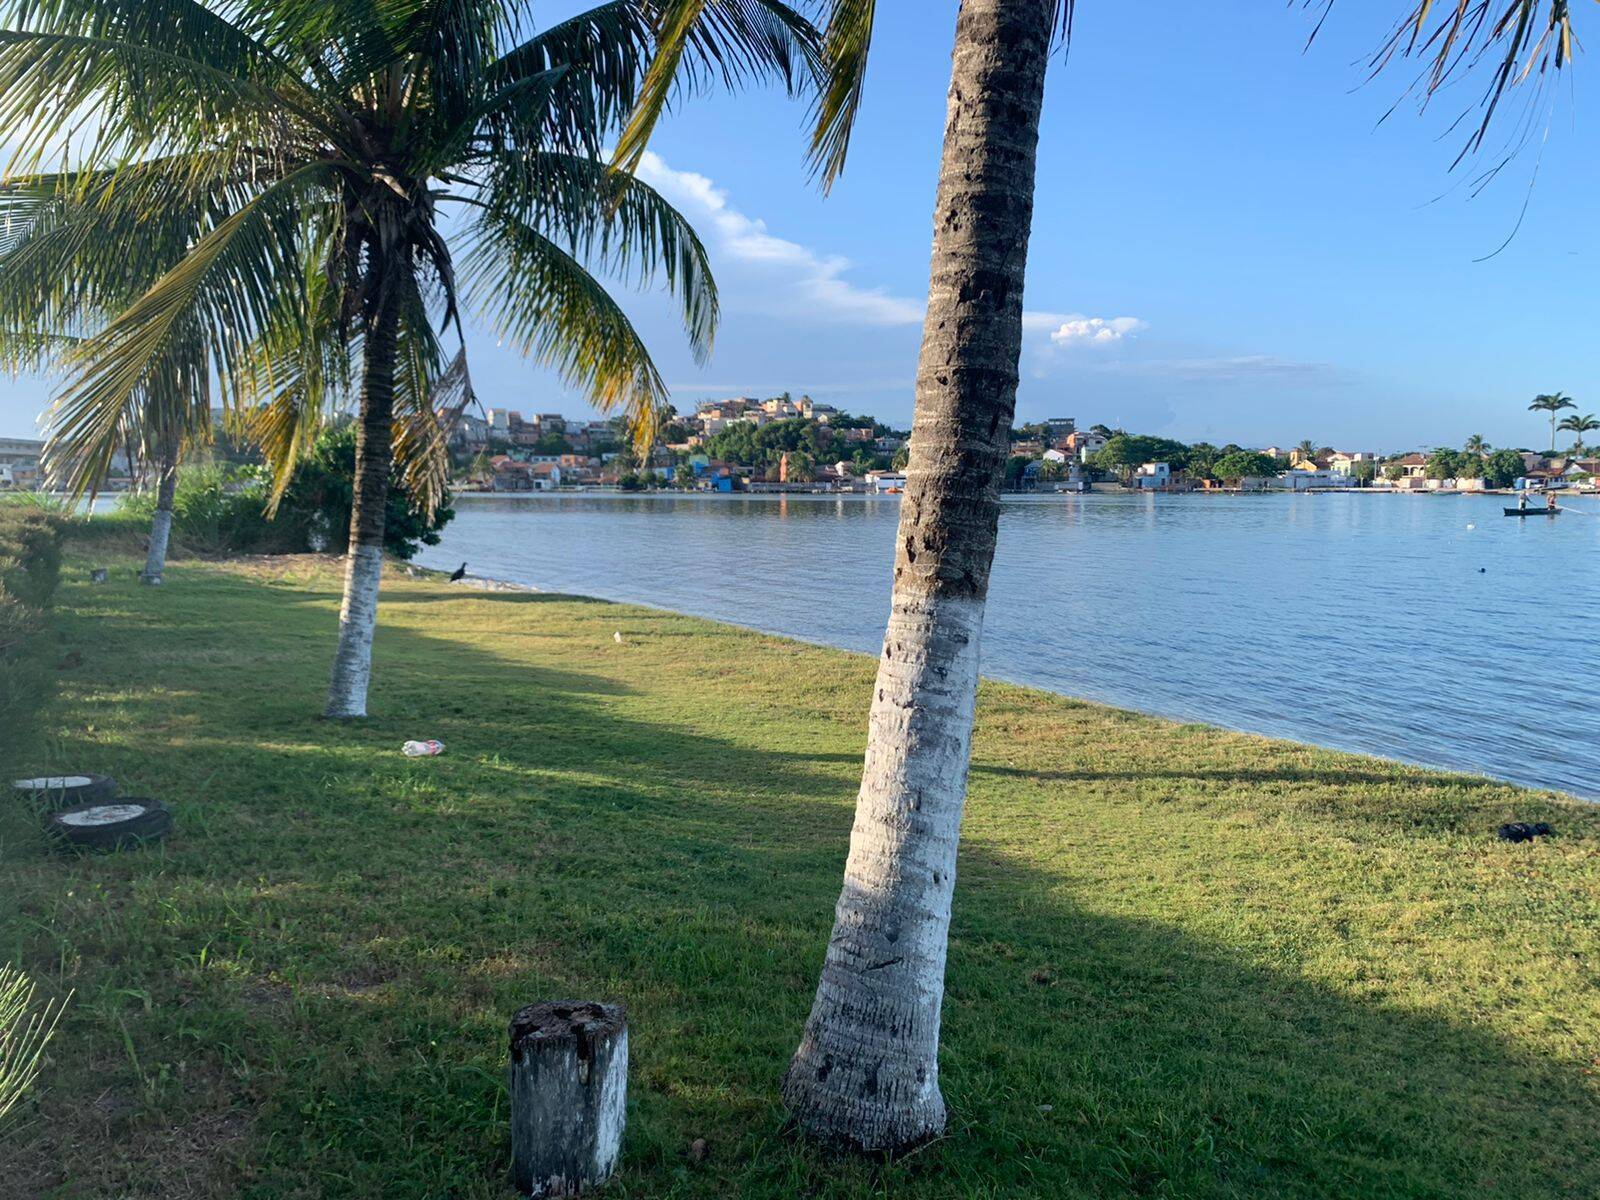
(1185, 963)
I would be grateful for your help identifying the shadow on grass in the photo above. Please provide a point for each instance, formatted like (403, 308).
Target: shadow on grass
(344, 935)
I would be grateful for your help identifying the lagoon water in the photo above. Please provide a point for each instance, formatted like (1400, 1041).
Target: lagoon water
(1424, 628)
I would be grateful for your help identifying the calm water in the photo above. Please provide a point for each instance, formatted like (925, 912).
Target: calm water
(1424, 628)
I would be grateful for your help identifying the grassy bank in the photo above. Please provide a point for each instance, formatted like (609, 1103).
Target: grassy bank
(1185, 963)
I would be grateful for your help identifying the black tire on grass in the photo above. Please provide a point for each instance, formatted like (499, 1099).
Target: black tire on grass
(114, 825)
(63, 791)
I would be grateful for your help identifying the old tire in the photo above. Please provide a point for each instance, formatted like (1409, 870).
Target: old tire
(113, 825)
(63, 791)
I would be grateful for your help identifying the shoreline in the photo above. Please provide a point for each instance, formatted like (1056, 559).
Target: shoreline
(490, 584)
(677, 494)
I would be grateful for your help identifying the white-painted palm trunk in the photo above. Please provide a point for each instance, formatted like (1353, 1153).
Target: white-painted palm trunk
(358, 620)
(363, 567)
(155, 560)
(866, 1073)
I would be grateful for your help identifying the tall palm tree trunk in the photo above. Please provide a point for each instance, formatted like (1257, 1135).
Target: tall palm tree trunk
(155, 560)
(867, 1070)
(358, 616)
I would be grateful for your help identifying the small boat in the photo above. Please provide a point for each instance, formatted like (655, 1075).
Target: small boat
(1532, 512)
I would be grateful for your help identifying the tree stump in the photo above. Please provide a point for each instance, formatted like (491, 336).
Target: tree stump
(569, 1087)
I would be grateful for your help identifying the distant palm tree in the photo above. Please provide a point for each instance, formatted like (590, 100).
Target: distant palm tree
(1552, 403)
(1476, 445)
(1307, 448)
(320, 145)
(1587, 423)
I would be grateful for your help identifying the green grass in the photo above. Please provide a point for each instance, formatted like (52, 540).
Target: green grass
(1185, 962)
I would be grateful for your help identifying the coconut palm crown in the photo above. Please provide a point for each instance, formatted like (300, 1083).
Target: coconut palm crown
(1552, 403)
(345, 178)
(1580, 425)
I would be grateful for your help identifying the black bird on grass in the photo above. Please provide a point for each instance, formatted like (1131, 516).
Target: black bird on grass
(459, 573)
(1522, 831)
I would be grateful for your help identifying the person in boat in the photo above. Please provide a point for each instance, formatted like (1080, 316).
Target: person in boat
(1550, 501)
(1522, 500)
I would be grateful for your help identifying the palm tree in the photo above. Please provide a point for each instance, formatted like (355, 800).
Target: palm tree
(321, 142)
(1307, 448)
(46, 240)
(1476, 445)
(1587, 423)
(1552, 403)
(866, 1073)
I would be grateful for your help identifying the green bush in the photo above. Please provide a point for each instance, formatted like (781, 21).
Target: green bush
(222, 510)
(319, 498)
(218, 510)
(30, 567)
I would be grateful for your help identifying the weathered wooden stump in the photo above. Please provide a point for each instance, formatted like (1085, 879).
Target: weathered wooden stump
(569, 1088)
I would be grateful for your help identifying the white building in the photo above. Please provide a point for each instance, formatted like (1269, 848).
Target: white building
(886, 481)
(1153, 475)
(1341, 462)
(19, 462)
(1301, 480)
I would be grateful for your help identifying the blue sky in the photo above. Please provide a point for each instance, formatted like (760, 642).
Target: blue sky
(1227, 243)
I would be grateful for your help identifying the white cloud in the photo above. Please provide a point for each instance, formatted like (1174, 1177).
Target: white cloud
(1077, 330)
(783, 278)
(797, 281)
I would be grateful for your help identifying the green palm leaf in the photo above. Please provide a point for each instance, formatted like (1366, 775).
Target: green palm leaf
(542, 300)
(616, 223)
(730, 41)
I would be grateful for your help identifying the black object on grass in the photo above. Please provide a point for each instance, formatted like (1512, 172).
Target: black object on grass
(1522, 831)
(459, 573)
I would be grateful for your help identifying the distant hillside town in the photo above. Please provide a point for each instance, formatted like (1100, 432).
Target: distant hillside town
(739, 444)
(784, 443)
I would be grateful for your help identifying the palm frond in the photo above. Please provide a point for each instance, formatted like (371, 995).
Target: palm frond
(846, 40)
(846, 43)
(149, 70)
(732, 41)
(553, 311)
(77, 246)
(295, 373)
(226, 288)
(1519, 39)
(449, 44)
(421, 457)
(614, 223)
(595, 60)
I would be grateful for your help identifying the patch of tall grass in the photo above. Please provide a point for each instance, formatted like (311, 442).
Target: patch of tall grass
(26, 1027)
